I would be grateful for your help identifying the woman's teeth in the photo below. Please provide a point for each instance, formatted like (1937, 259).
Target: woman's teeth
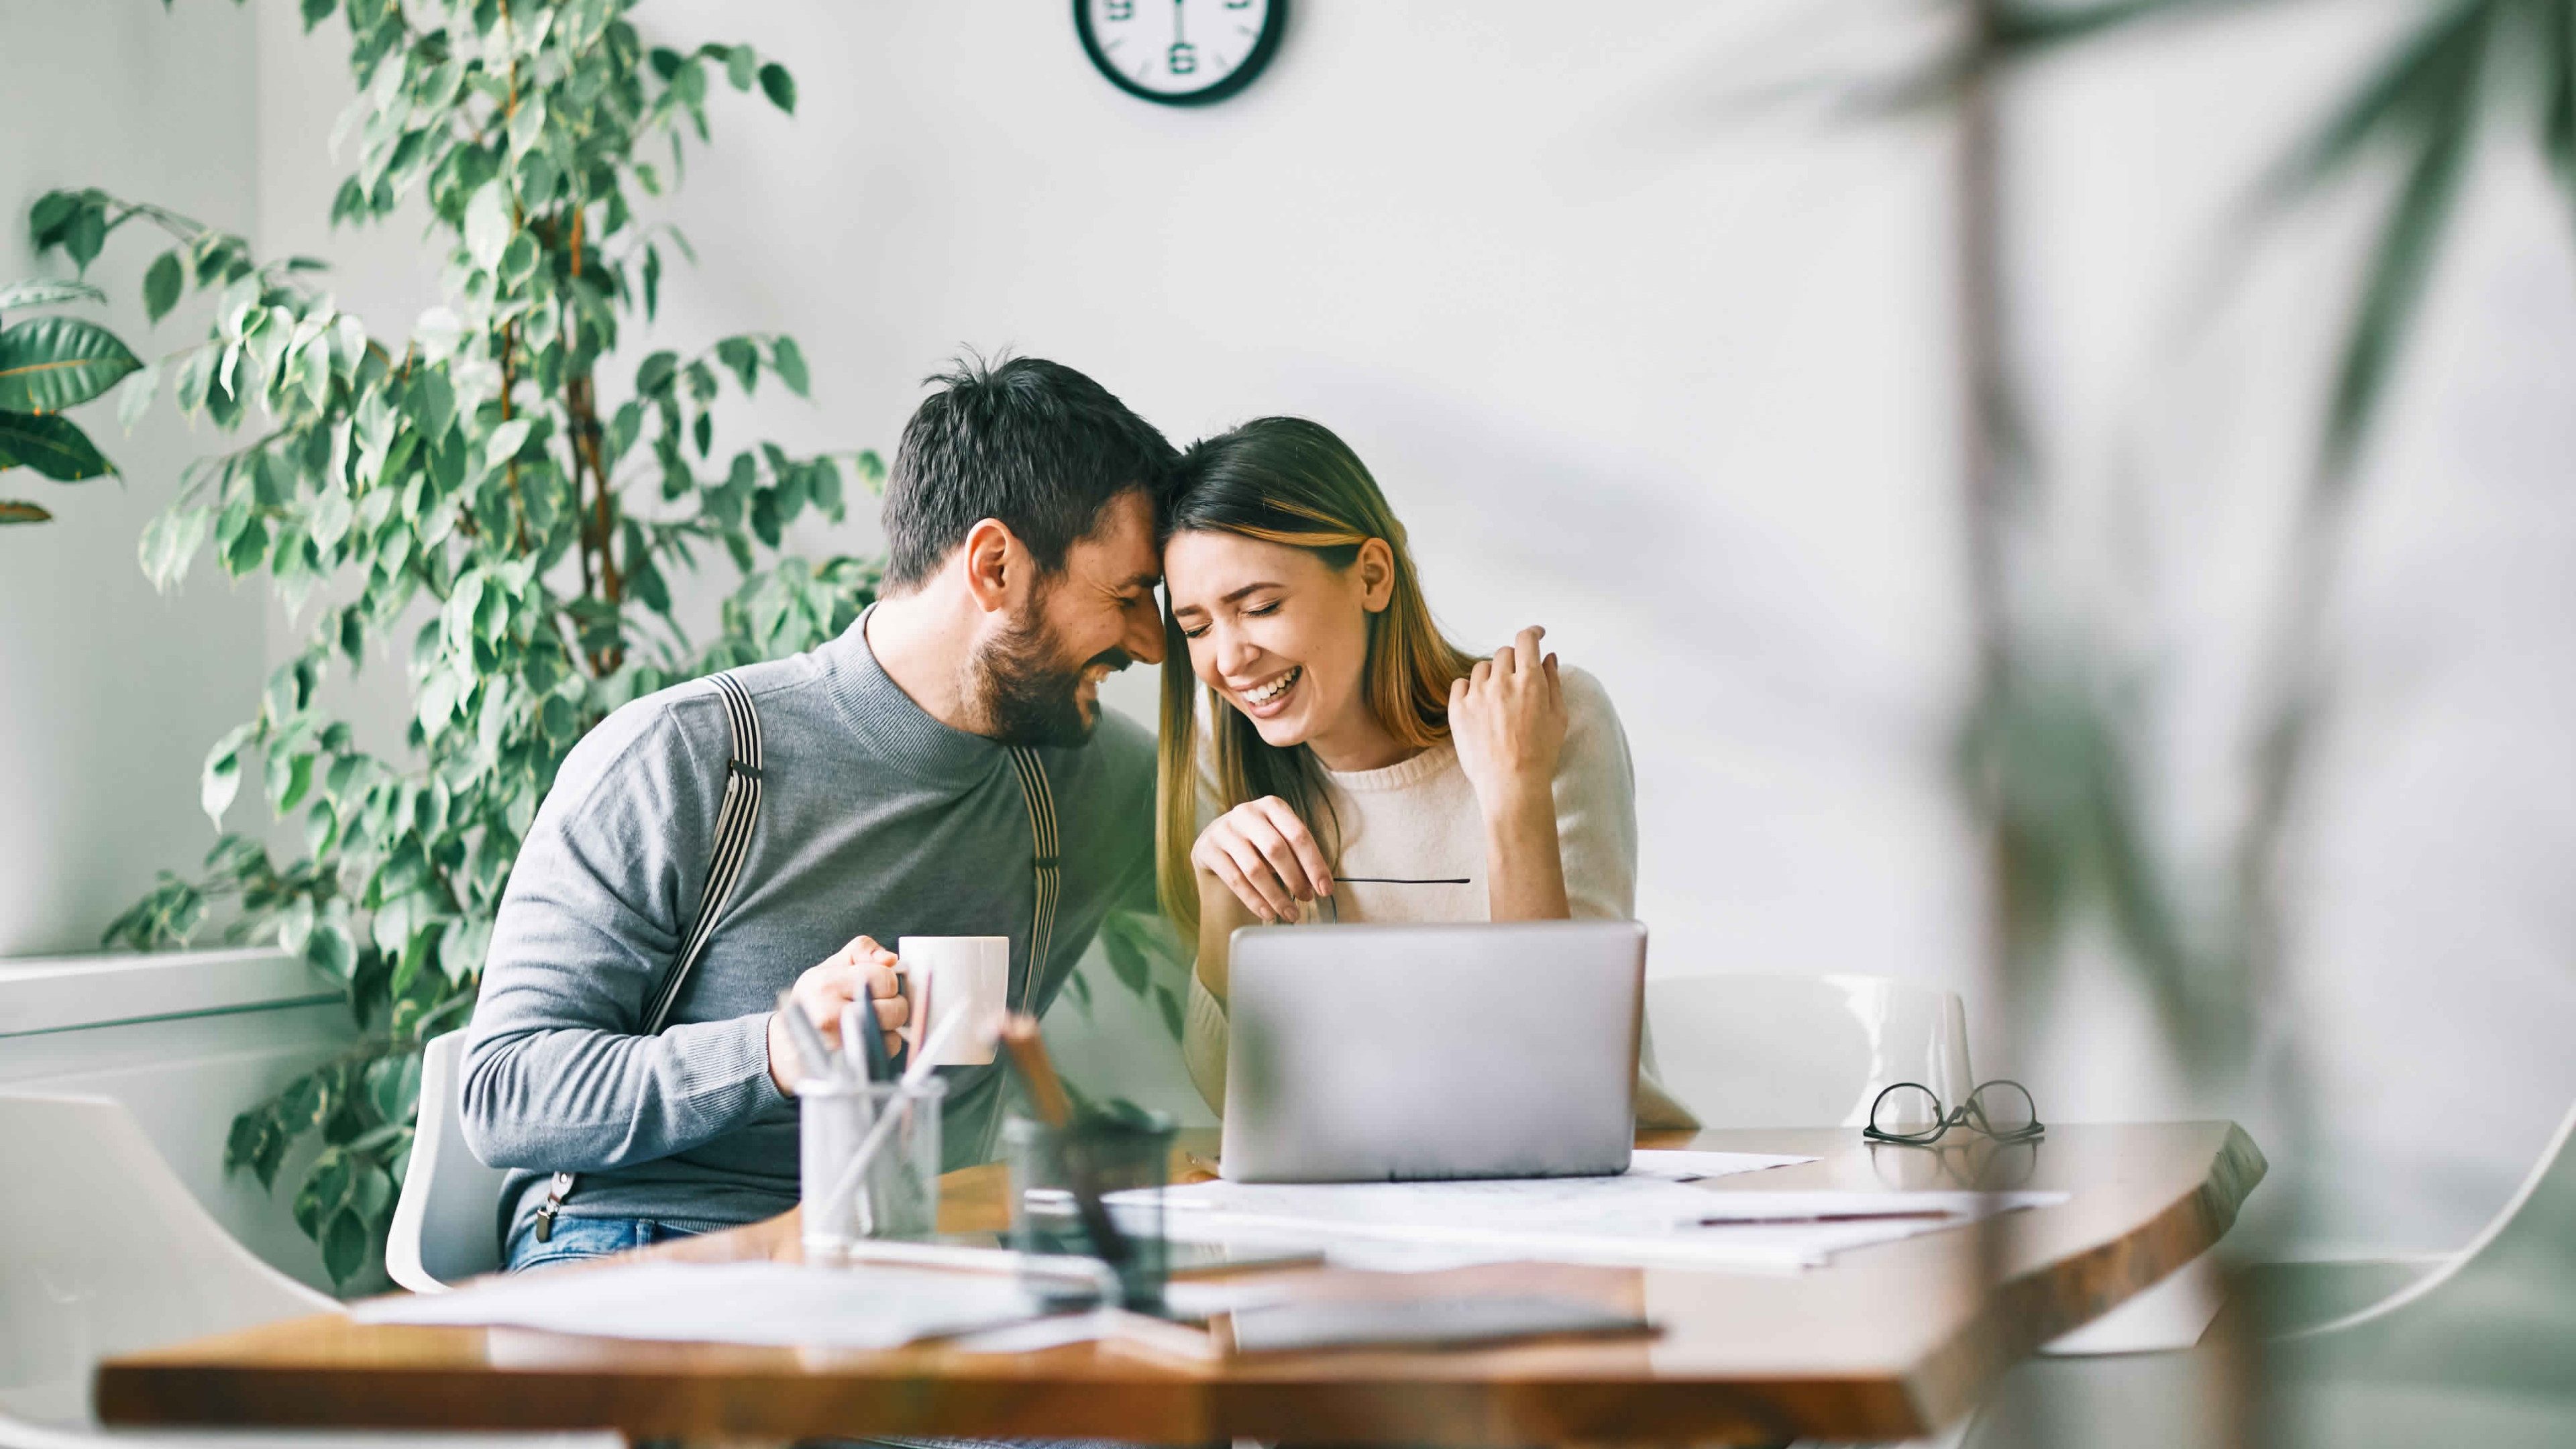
(1274, 688)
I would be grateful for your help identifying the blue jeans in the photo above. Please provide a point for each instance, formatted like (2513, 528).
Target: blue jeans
(577, 1238)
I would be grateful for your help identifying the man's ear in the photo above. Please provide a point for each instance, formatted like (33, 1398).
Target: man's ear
(993, 561)
(1376, 565)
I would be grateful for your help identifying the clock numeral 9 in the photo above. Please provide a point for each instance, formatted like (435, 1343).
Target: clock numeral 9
(1121, 9)
(1183, 59)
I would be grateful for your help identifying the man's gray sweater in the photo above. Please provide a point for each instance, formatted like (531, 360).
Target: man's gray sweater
(875, 819)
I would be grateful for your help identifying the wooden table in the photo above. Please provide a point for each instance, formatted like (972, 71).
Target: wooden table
(1888, 1342)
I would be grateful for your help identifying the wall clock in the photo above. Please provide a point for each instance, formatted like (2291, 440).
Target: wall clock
(1180, 52)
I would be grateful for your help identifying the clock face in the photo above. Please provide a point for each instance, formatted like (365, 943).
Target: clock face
(1180, 52)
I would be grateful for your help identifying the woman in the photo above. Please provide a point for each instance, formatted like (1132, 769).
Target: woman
(1358, 766)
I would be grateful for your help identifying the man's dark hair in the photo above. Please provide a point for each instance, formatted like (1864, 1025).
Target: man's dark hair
(1031, 443)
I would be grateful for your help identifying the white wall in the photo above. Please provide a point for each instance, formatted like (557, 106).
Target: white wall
(109, 693)
(1678, 385)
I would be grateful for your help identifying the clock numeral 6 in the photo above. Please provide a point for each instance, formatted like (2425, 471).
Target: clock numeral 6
(1121, 9)
(1184, 58)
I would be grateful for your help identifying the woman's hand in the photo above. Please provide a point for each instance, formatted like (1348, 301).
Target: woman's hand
(1265, 855)
(1508, 719)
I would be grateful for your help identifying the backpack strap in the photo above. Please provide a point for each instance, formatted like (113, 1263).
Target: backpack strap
(734, 821)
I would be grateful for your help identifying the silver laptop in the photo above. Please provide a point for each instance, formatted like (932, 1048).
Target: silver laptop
(1376, 1053)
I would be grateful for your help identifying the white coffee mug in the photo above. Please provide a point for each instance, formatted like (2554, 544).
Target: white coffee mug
(952, 974)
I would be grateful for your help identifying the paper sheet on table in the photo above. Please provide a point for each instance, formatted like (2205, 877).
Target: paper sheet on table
(1635, 1221)
(1693, 1166)
(1184, 1299)
(756, 1303)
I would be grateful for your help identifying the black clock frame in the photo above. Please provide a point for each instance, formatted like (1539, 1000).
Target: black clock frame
(1263, 47)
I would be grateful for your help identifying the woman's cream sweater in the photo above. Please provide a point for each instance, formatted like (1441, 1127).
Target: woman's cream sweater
(1418, 821)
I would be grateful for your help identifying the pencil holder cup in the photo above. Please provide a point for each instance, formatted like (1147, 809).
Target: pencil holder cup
(867, 1161)
(1123, 1158)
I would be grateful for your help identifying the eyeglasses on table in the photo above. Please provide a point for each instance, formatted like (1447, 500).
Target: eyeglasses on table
(1912, 1114)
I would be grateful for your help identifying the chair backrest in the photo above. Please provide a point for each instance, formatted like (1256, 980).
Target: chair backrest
(446, 1224)
(2501, 1315)
(104, 1251)
(1802, 1051)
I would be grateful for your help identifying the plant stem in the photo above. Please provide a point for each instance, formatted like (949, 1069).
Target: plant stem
(509, 364)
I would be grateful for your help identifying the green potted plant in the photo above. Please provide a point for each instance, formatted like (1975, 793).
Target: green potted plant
(496, 501)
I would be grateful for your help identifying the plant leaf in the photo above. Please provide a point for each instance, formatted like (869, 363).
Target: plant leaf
(393, 1085)
(221, 779)
(2031, 27)
(2558, 102)
(2443, 102)
(52, 446)
(170, 543)
(487, 224)
(2421, 81)
(161, 285)
(789, 361)
(779, 86)
(47, 294)
(344, 1245)
(14, 511)
(1126, 957)
(329, 949)
(51, 363)
(140, 390)
(506, 441)
(85, 234)
(741, 358)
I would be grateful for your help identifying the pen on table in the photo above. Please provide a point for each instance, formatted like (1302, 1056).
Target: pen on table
(1861, 1215)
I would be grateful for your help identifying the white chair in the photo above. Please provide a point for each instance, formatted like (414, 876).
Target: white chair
(2481, 1350)
(2477, 1351)
(103, 1251)
(446, 1224)
(1802, 1051)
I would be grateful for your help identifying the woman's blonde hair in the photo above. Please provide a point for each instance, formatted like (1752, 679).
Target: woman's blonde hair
(1290, 481)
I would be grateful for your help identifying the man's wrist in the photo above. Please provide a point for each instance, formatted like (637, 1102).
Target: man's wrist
(773, 1033)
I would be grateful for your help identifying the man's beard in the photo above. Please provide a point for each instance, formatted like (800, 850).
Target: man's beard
(1031, 700)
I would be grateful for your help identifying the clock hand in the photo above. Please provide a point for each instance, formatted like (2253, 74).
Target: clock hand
(1180, 12)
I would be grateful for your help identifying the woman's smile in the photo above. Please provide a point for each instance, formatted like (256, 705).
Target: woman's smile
(1270, 697)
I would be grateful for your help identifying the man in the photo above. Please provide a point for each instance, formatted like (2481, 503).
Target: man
(1021, 571)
